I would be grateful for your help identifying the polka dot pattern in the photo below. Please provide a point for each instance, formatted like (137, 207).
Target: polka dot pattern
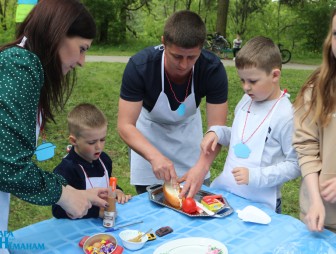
(21, 79)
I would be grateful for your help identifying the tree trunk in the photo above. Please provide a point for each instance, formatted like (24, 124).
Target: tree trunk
(103, 31)
(222, 13)
(3, 15)
(122, 25)
(188, 3)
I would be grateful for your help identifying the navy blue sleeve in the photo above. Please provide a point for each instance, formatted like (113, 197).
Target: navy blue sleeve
(132, 88)
(210, 79)
(141, 79)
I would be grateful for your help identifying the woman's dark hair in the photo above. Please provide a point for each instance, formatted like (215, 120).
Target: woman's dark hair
(45, 27)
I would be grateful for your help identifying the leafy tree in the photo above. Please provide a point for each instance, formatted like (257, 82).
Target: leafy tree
(207, 9)
(104, 13)
(292, 3)
(314, 23)
(242, 10)
(112, 17)
(222, 14)
(7, 19)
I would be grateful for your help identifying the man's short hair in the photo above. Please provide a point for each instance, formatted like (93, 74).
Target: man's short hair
(185, 29)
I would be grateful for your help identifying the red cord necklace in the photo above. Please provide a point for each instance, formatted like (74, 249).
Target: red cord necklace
(171, 88)
(181, 108)
(241, 150)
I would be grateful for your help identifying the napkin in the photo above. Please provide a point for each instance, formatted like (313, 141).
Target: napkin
(253, 214)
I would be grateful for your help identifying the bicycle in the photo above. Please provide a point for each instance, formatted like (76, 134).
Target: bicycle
(285, 54)
(218, 44)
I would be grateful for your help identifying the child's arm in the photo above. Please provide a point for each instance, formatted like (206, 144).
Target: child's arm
(241, 175)
(215, 135)
(209, 142)
(315, 216)
(122, 198)
(279, 163)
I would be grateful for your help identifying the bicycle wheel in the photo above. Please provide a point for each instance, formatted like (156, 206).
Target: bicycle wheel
(217, 48)
(227, 44)
(285, 55)
(207, 45)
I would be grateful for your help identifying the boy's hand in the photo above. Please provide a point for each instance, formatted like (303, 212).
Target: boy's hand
(122, 198)
(241, 175)
(328, 190)
(209, 142)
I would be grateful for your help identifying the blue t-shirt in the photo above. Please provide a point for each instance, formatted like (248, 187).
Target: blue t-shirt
(142, 80)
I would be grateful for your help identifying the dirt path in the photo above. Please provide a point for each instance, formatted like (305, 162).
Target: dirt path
(124, 59)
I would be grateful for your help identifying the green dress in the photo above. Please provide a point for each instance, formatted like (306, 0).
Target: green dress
(21, 79)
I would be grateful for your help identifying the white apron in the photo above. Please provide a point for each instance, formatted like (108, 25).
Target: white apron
(93, 182)
(176, 137)
(256, 144)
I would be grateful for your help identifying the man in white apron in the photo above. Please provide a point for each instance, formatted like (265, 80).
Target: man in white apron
(261, 157)
(159, 115)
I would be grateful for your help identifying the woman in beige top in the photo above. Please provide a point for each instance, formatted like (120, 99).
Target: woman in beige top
(315, 140)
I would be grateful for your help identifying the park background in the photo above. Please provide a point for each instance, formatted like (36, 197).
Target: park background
(126, 26)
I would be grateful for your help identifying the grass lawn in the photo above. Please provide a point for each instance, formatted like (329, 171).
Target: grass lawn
(130, 48)
(99, 83)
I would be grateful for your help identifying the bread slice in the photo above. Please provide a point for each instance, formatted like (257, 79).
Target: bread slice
(171, 195)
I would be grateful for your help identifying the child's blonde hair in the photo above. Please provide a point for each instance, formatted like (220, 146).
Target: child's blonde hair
(85, 116)
(259, 52)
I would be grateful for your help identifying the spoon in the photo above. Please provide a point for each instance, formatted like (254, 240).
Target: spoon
(138, 238)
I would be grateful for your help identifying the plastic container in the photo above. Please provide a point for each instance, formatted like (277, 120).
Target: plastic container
(97, 238)
(45, 151)
(129, 234)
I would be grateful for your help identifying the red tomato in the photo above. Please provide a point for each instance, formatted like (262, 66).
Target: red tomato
(189, 205)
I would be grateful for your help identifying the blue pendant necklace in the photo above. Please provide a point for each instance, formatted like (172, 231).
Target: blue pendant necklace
(182, 108)
(241, 150)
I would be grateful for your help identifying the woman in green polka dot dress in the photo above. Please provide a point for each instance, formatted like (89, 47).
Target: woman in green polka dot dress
(35, 80)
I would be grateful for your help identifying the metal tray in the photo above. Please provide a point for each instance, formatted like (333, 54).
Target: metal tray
(155, 193)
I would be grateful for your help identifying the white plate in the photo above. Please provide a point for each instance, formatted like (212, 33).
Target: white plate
(191, 245)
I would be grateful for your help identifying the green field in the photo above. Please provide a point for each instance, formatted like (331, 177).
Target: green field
(99, 83)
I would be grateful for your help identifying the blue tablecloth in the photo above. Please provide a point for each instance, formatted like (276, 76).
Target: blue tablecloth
(284, 234)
